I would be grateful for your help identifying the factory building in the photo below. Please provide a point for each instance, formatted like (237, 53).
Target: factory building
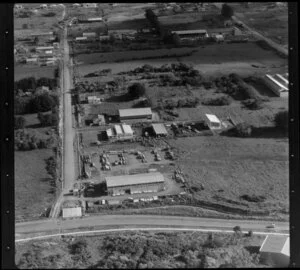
(120, 132)
(136, 183)
(279, 88)
(159, 130)
(275, 251)
(191, 34)
(141, 114)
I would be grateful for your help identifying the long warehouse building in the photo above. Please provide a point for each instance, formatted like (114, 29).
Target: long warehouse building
(135, 114)
(135, 183)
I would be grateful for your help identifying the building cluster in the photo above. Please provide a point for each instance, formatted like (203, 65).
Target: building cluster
(120, 132)
(43, 53)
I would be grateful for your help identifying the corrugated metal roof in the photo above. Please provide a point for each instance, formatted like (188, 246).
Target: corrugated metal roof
(72, 212)
(135, 112)
(118, 130)
(127, 129)
(276, 82)
(275, 244)
(213, 118)
(159, 129)
(134, 179)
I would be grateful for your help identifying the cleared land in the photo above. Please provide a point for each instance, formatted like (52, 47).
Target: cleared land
(231, 167)
(33, 192)
(216, 59)
(143, 249)
(25, 71)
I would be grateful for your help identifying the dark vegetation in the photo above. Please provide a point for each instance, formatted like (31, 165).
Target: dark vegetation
(19, 122)
(31, 83)
(49, 14)
(217, 101)
(30, 139)
(49, 119)
(227, 11)
(281, 120)
(145, 250)
(136, 90)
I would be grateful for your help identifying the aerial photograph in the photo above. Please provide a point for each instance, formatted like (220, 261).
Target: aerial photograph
(151, 135)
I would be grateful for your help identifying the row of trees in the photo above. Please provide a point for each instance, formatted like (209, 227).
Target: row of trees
(31, 83)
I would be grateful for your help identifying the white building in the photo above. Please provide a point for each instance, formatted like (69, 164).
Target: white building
(213, 121)
(80, 38)
(275, 251)
(120, 132)
(90, 5)
(93, 100)
(90, 34)
(71, 212)
(277, 87)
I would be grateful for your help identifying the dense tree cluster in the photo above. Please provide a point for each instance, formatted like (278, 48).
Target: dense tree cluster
(281, 120)
(31, 83)
(217, 101)
(136, 90)
(49, 119)
(227, 11)
(30, 139)
(19, 122)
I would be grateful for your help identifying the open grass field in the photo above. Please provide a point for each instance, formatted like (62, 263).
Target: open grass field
(39, 22)
(129, 249)
(231, 167)
(217, 59)
(25, 71)
(269, 20)
(33, 192)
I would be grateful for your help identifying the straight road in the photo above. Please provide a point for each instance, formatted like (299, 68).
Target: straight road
(53, 226)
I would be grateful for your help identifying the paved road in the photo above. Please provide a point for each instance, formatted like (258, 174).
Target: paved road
(69, 159)
(52, 226)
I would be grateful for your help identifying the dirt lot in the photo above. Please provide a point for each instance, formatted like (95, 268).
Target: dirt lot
(231, 167)
(33, 192)
(270, 21)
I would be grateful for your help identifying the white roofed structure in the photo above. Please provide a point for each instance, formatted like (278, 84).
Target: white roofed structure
(71, 212)
(127, 129)
(213, 121)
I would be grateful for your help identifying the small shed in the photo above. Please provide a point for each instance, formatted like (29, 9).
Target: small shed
(219, 38)
(159, 129)
(72, 212)
(275, 250)
(213, 121)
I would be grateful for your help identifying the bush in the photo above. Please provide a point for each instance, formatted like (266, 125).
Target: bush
(19, 122)
(136, 90)
(281, 120)
(49, 14)
(253, 198)
(252, 104)
(227, 11)
(48, 119)
(237, 229)
(243, 130)
(43, 103)
(217, 101)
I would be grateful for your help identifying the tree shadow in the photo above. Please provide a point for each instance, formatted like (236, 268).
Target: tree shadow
(269, 132)
(253, 249)
(120, 98)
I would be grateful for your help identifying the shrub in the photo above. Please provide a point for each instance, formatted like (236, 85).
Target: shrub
(136, 90)
(281, 120)
(243, 130)
(19, 122)
(48, 119)
(43, 103)
(237, 229)
(51, 164)
(49, 14)
(227, 11)
(252, 104)
(217, 101)
(253, 198)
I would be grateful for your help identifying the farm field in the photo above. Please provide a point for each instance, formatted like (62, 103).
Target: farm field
(231, 167)
(33, 192)
(96, 252)
(25, 71)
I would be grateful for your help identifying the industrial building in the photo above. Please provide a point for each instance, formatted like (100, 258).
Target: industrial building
(213, 121)
(191, 34)
(120, 132)
(71, 212)
(90, 34)
(141, 114)
(159, 130)
(275, 251)
(136, 183)
(279, 88)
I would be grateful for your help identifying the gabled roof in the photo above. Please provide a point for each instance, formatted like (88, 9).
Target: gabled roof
(135, 112)
(276, 244)
(213, 118)
(134, 179)
(159, 129)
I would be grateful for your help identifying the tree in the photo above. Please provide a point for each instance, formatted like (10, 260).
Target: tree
(136, 90)
(19, 122)
(237, 229)
(170, 38)
(281, 120)
(25, 26)
(227, 11)
(243, 130)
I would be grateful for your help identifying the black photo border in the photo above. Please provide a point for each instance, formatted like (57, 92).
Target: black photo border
(7, 135)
